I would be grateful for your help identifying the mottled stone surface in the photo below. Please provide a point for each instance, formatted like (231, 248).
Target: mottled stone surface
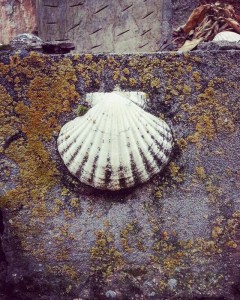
(221, 45)
(176, 237)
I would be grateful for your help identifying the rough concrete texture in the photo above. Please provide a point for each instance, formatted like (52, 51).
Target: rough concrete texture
(175, 237)
(217, 46)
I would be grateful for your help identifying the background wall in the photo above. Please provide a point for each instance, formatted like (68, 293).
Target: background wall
(20, 16)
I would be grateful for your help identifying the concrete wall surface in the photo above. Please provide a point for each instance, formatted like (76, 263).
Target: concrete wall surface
(175, 237)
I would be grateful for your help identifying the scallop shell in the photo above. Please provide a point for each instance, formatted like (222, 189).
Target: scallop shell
(139, 98)
(115, 145)
(227, 36)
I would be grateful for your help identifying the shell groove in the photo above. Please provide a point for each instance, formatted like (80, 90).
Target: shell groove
(115, 145)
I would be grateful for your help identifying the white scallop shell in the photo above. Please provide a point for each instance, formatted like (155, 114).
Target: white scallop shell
(115, 145)
(227, 36)
(139, 98)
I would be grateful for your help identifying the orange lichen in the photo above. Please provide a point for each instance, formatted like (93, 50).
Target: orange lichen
(6, 115)
(43, 99)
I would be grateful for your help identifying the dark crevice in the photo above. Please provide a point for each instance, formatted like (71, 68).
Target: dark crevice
(78, 4)
(123, 32)
(148, 14)
(146, 31)
(101, 9)
(1, 223)
(3, 260)
(96, 31)
(13, 138)
(127, 7)
(49, 5)
(140, 47)
(74, 26)
(51, 23)
(96, 46)
(62, 40)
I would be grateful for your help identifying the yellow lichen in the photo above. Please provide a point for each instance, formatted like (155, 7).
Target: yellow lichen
(116, 75)
(196, 76)
(126, 71)
(201, 173)
(104, 257)
(88, 56)
(155, 83)
(4, 69)
(132, 81)
(187, 89)
(216, 232)
(74, 202)
(175, 172)
(182, 143)
(6, 112)
(232, 244)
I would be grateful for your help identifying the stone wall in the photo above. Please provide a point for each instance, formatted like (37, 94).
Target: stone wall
(175, 237)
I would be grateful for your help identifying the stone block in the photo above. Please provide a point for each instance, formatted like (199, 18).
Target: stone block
(175, 237)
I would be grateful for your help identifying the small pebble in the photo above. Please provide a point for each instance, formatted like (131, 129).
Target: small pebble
(172, 283)
(111, 294)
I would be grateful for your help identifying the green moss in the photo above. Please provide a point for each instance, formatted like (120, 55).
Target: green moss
(82, 110)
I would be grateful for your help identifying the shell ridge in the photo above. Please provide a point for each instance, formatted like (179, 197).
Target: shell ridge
(157, 123)
(103, 153)
(137, 167)
(136, 121)
(116, 145)
(126, 159)
(98, 138)
(146, 140)
(69, 143)
(166, 138)
(126, 168)
(157, 153)
(68, 134)
(82, 172)
(75, 152)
